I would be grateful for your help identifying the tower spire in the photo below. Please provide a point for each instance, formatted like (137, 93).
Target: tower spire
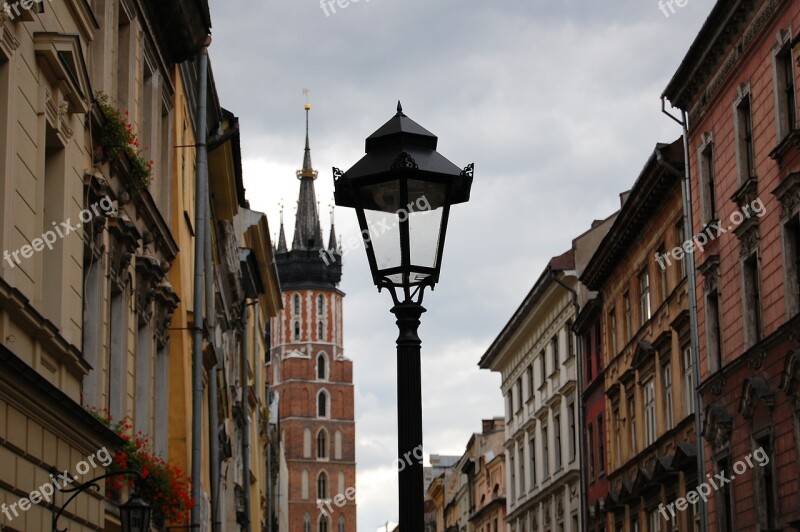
(332, 245)
(307, 230)
(282, 236)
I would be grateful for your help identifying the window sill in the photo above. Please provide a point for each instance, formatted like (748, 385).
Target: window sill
(790, 140)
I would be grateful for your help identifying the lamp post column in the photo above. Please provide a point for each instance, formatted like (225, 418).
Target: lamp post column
(409, 416)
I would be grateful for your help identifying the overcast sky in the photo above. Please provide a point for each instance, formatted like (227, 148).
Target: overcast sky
(556, 103)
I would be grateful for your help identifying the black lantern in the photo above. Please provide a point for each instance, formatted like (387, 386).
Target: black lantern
(402, 190)
(134, 515)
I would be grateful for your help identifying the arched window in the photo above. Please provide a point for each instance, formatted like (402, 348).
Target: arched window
(296, 330)
(322, 404)
(322, 444)
(320, 331)
(324, 524)
(304, 484)
(321, 369)
(341, 523)
(306, 523)
(296, 305)
(320, 306)
(322, 486)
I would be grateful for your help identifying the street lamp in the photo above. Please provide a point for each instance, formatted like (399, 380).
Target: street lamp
(134, 515)
(402, 190)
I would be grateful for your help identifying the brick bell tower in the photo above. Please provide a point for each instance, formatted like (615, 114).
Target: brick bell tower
(309, 372)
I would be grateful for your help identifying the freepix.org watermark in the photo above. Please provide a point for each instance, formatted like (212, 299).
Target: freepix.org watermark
(60, 230)
(712, 232)
(376, 230)
(13, 9)
(340, 500)
(59, 481)
(670, 5)
(325, 5)
(704, 490)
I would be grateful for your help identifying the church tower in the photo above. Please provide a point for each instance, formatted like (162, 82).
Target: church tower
(309, 372)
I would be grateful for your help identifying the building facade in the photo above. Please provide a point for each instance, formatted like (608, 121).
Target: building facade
(649, 430)
(309, 372)
(738, 86)
(536, 356)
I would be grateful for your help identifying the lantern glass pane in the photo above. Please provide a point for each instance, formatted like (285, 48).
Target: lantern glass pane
(383, 197)
(425, 195)
(424, 231)
(384, 237)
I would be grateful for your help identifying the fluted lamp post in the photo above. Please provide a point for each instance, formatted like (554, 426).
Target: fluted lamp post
(402, 190)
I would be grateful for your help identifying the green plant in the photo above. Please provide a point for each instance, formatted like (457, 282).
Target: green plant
(118, 141)
(164, 486)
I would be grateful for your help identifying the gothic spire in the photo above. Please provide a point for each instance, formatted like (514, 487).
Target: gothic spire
(282, 236)
(332, 245)
(307, 233)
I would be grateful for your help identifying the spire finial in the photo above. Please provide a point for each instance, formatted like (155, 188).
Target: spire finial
(307, 170)
(399, 108)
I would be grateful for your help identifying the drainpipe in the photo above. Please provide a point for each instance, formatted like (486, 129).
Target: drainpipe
(691, 274)
(583, 495)
(213, 408)
(201, 201)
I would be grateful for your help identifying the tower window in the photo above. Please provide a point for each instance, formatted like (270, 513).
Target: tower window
(296, 330)
(322, 404)
(320, 330)
(321, 369)
(296, 305)
(322, 444)
(320, 306)
(322, 486)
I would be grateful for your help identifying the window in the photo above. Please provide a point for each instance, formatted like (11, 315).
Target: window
(304, 486)
(617, 437)
(512, 481)
(341, 523)
(320, 306)
(650, 411)
(296, 305)
(321, 367)
(680, 238)
(322, 486)
(590, 450)
(518, 395)
(521, 452)
(297, 330)
(554, 353)
(324, 523)
(792, 237)
(752, 299)
(654, 521)
(322, 404)
(601, 445)
(337, 445)
(744, 122)
(612, 332)
(666, 373)
(532, 451)
(626, 300)
(570, 339)
(644, 296)
(509, 405)
(713, 331)
(306, 523)
(545, 453)
(572, 429)
(725, 497)
(662, 274)
(708, 180)
(322, 444)
(587, 348)
(530, 381)
(632, 417)
(557, 439)
(688, 380)
(785, 92)
(765, 478)
(542, 367)
(320, 331)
